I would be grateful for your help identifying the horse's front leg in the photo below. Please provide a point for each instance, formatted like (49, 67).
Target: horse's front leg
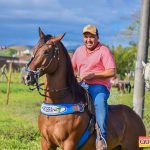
(69, 145)
(45, 145)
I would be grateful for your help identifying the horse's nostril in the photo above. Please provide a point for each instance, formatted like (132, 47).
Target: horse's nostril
(28, 78)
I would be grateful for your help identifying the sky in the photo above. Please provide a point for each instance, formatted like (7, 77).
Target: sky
(20, 20)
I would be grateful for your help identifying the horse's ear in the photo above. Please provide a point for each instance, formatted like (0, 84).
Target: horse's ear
(41, 34)
(143, 63)
(59, 37)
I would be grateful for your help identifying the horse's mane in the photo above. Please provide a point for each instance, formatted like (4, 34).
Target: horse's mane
(46, 38)
(77, 90)
(43, 40)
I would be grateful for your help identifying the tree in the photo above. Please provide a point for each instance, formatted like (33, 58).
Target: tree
(125, 59)
(8, 52)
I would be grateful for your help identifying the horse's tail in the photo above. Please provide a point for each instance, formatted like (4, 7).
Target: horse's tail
(129, 88)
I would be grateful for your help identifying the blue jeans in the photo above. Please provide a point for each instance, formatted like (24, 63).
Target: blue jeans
(99, 94)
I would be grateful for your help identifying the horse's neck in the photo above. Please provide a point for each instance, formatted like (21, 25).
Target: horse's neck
(56, 81)
(56, 84)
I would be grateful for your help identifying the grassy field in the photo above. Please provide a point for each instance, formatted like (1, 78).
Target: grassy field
(18, 119)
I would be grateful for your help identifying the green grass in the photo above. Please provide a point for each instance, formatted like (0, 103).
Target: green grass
(18, 119)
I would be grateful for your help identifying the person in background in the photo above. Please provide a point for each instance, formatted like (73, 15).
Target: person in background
(94, 64)
(3, 74)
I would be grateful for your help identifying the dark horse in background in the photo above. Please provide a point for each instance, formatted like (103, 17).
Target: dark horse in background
(122, 86)
(61, 88)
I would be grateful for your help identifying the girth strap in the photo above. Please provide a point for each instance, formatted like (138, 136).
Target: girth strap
(87, 133)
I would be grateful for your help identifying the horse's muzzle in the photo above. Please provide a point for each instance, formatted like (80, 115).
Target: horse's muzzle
(29, 79)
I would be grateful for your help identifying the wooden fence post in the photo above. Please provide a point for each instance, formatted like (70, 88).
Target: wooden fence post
(8, 83)
(142, 55)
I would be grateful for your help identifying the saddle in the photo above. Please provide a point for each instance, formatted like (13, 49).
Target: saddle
(90, 103)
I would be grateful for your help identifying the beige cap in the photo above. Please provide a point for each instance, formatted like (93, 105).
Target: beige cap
(91, 29)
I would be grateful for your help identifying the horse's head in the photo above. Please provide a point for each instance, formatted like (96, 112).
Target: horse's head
(45, 58)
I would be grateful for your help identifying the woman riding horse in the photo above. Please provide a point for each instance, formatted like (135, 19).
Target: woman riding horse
(64, 120)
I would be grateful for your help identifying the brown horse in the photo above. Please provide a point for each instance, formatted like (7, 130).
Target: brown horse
(61, 88)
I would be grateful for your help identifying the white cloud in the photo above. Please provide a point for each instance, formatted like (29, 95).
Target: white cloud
(40, 10)
(63, 15)
(103, 11)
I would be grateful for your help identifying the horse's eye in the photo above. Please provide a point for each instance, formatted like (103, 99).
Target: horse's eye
(46, 53)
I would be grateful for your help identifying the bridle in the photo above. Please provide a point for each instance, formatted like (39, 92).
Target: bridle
(55, 52)
(36, 73)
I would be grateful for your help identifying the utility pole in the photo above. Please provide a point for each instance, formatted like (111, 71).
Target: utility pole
(142, 54)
